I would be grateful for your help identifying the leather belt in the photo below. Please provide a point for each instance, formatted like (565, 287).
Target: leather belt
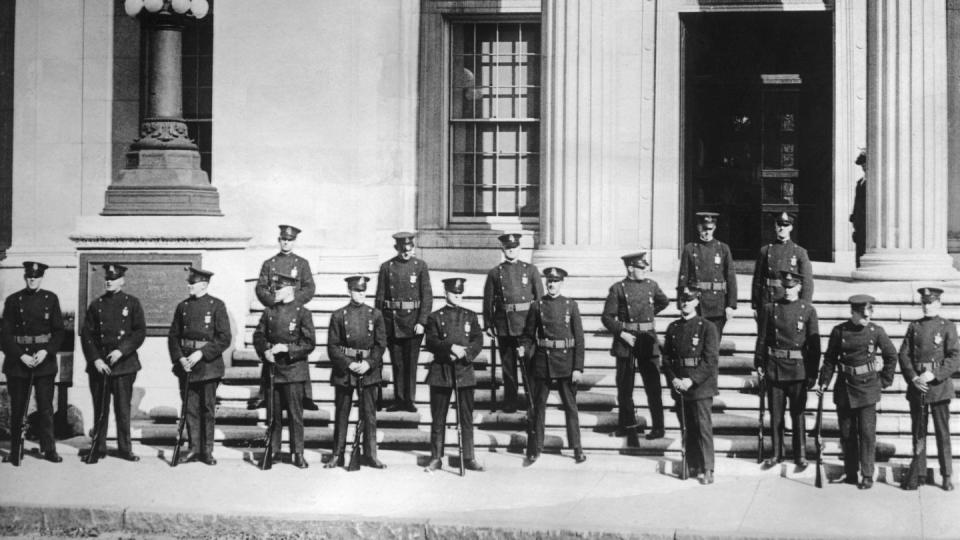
(519, 306)
(785, 354)
(556, 343)
(356, 353)
(638, 326)
(712, 286)
(397, 304)
(193, 343)
(933, 364)
(27, 340)
(689, 361)
(857, 370)
(773, 282)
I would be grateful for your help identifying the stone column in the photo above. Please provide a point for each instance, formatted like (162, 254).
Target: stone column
(906, 142)
(575, 229)
(163, 174)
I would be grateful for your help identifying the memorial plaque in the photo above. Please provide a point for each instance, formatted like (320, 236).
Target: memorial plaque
(157, 279)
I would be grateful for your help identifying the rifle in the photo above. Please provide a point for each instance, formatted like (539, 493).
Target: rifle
(762, 389)
(266, 462)
(683, 438)
(818, 439)
(456, 397)
(354, 464)
(100, 427)
(22, 437)
(912, 478)
(525, 379)
(493, 373)
(182, 422)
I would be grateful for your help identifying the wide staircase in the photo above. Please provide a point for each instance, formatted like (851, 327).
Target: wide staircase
(735, 410)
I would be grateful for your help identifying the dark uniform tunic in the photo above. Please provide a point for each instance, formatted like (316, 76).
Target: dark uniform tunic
(554, 333)
(691, 349)
(851, 352)
(452, 325)
(290, 324)
(32, 321)
(293, 265)
(406, 299)
(931, 345)
(356, 331)
(708, 266)
(114, 321)
(773, 259)
(788, 350)
(630, 307)
(859, 219)
(200, 324)
(507, 294)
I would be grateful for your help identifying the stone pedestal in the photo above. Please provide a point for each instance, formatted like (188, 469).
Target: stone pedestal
(907, 142)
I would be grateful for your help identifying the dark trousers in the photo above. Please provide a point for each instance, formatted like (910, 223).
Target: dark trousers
(568, 395)
(650, 375)
(858, 438)
(626, 377)
(507, 347)
(439, 405)
(778, 394)
(699, 440)
(264, 377)
(368, 411)
(43, 425)
(288, 396)
(201, 403)
(121, 388)
(941, 426)
(404, 353)
(719, 322)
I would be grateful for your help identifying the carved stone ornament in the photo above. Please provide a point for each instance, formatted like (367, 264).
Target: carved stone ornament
(164, 133)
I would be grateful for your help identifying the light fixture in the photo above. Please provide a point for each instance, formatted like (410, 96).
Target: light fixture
(132, 7)
(180, 6)
(153, 6)
(199, 8)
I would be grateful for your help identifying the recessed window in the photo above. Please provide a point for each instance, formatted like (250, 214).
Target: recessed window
(197, 60)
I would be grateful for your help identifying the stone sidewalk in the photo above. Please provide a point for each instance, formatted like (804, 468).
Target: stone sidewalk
(609, 496)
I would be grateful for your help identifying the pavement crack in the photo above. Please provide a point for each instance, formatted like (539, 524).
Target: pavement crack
(743, 518)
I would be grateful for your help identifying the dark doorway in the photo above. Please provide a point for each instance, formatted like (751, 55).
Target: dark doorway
(758, 126)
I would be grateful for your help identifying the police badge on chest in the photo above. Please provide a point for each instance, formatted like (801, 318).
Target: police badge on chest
(125, 311)
(293, 325)
(695, 340)
(716, 258)
(793, 260)
(413, 279)
(466, 326)
(207, 318)
(523, 279)
(937, 339)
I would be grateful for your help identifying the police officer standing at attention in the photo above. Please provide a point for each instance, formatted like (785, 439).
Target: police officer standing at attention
(859, 215)
(288, 263)
(861, 376)
(406, 299)
(510, 288)
(31, 337)
(782, 254)
(554, 333)
(628, 314)
(787, 354)
(707, 264)
(199, 334)
(356, 340)
(113, 329)
(284, 338)
(691, 350)
(929, 357)
(454, 337)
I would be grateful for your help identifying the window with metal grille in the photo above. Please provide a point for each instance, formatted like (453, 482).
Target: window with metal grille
(197, 61)
(495, 120)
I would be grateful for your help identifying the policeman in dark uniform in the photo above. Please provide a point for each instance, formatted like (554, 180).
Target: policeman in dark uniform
(554, 334)
(454, 337)
(288, 263)
(356, 340)
(628, 314)
(707, 264)
(929, 357)
(691, 350)
(782, 254)
(851, 352)
(859, 215)
(787, 354)
(406, 299)
(510, 288)
(113, 329)
(31, 337)
(284, 338)
(199, 334)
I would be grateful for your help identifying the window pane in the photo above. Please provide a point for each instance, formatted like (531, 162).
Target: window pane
(530, 202)
(495, 105)
(197, 62)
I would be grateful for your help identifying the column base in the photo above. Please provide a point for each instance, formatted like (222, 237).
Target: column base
(906, 265)
(162, 182)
